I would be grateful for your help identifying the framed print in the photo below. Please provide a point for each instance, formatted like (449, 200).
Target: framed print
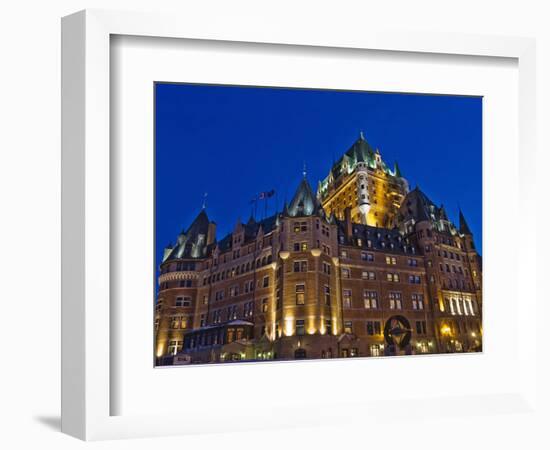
(266, 228)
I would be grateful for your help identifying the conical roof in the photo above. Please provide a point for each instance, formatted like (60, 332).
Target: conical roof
(463, 225)
(304, 202)
(192, 242)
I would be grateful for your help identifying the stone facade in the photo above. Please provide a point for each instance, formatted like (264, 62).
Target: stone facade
(363, 267)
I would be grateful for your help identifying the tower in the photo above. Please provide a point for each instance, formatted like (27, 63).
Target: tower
(361, 180)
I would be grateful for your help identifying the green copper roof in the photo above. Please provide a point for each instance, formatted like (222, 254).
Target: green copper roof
(463, 225)
(304, 202)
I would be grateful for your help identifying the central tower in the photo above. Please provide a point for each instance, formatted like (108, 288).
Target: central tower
(361, 181)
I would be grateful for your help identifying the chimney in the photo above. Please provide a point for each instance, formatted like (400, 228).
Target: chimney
(347, 216)
(211, 236)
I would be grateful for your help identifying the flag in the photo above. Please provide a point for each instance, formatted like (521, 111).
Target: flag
(266, 194)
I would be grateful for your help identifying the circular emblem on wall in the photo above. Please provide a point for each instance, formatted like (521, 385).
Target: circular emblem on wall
(397, 331)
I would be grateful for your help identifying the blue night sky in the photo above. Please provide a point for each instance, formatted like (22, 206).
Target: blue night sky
(234, 142)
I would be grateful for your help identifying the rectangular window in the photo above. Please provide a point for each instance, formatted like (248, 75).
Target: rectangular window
(343, 254)
(348, 328)
(346, 298)
(183, 301)
(328, 326)
(203, 320)
(346, 273)
(392, 277)
(300, 266)
(375, 350)
(300, 327)
(391, 260)
(370, 299)
(370, 328)
(300, 294)
(365, 256)
(174, 347)
(368, 275)
(395, 300)
(327, 295)
(326, 268)
(420, 327)
(175, 322)
(265, 282)
(249, 309)
(373, 328)
(264, 305)
(412, 262)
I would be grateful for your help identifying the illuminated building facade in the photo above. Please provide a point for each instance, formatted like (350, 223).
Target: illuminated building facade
(362, 267)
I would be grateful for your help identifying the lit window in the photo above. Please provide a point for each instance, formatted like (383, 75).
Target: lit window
(395, 300)
(417, 301)
(346, 272)
(375, 350)
(370, 299)
(300, 294)
(393, 277)
(174, 347)
(346, 298)
(348, 327)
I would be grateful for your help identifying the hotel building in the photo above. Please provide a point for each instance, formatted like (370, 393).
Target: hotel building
(361, 267)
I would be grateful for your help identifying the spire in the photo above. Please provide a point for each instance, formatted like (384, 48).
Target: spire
(285, 209)
(361, 135)
(304, 202)
(191, 242)
(421, 213)
(443, 213)
(204, 200)
(396, 170)
(304, 171)
(464, 228)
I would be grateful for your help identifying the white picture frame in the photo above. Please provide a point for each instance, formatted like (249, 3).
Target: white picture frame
(86, 219)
